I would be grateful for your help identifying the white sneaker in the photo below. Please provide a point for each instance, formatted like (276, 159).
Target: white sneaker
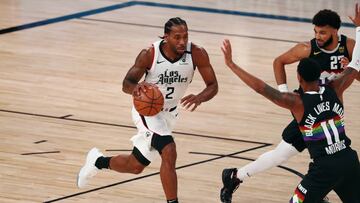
(89, 169)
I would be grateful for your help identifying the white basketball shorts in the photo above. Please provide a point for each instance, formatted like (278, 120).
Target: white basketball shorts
(161, 124)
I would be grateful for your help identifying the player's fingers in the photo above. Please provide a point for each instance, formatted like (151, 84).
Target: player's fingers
(352, 19)
(189, 105)
(136, 91)
(142, 88)
(186, 98)
(195, 106)
(187, 102)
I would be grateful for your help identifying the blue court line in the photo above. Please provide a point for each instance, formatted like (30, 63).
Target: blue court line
(67, 17)
(161, 5)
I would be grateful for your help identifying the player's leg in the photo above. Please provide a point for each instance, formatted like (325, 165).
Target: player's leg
(290, 146)
(165, 145)
(232, 177)
(133, 163)
(349, 188)
(140, 157)
(283, 152)
(314, 186)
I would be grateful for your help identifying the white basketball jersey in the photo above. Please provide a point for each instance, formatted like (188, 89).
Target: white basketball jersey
(172, 78)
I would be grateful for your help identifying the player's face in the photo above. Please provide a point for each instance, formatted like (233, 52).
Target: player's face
(177, 39)
(324, 35)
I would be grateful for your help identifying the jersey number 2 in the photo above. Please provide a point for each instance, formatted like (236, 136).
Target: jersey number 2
(170, 91)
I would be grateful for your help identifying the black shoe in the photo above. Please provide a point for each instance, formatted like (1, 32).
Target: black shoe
(230, 182)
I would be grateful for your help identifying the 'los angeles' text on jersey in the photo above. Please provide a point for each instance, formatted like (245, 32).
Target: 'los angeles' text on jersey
(170, 77)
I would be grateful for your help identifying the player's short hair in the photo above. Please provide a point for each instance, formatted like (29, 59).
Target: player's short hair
(309, 69)
(327, 17)
(172, 22)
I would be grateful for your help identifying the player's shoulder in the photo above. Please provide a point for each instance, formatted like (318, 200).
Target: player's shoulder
(148, 52)
(197, 51)
(146, 56)
(304, 45)
(302, 48)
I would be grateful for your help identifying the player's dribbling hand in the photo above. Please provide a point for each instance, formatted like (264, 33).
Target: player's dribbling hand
(190, 100)
(142, 86)
(356, 18)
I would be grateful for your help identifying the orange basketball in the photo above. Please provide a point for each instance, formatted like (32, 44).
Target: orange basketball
(149, 103)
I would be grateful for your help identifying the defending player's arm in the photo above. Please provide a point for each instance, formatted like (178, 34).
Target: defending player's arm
(350, 44)
(289, 101)
(345, 79)
(298, 52)
(202, 62)
(143, 61)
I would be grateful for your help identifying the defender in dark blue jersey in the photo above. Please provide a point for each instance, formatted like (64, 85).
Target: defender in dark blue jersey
(332, 51)
(319, 114)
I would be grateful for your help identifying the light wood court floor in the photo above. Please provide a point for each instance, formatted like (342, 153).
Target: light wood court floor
(61, 72)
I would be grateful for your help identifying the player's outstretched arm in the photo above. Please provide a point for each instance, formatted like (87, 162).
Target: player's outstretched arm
(345, 79)
(289, 101)
(356, 21)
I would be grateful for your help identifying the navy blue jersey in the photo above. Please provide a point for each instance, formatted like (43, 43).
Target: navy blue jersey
(329, 60)
(322, 125)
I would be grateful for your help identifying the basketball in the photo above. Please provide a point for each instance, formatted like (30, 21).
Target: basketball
(149, 103)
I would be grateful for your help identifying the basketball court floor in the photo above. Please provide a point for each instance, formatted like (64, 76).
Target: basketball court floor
(61, 69)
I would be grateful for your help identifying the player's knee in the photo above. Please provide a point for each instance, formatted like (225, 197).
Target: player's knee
(160, 142)
(137, 169)
(137, 161)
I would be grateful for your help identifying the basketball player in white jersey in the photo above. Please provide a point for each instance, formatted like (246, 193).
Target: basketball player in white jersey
(169, 64)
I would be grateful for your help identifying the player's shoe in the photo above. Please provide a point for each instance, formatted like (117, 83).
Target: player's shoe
(230, 182)
(89, 169)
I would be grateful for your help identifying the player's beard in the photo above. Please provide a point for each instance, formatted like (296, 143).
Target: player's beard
(327, 43)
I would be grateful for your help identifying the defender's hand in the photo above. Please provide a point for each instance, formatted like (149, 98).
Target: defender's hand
(226, 49)
(356, 18)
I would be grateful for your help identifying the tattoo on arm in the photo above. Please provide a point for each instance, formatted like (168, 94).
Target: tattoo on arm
(285, 100)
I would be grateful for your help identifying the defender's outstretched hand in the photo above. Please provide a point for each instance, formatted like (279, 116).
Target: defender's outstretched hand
(226, 49)
(356, 18)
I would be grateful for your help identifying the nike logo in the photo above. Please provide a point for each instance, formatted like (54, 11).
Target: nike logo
(158, 62)
(316, 53)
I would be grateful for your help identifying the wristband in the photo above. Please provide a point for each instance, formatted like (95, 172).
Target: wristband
(283, 88)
